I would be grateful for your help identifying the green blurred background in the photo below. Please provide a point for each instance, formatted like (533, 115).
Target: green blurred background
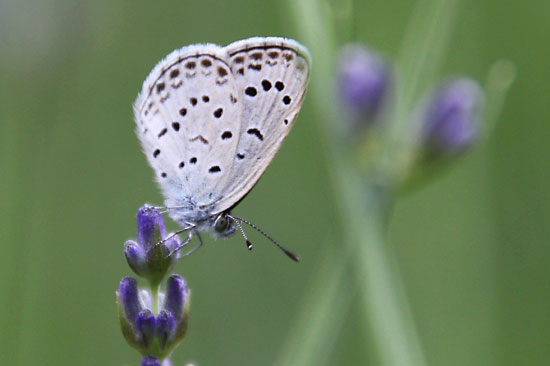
(472, 245)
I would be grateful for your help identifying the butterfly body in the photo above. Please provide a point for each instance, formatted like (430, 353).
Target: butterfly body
(210, 120)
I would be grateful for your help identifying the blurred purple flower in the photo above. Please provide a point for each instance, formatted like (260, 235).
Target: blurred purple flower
(150, 361)
(364, 82)
(150, 256)
(450, 121)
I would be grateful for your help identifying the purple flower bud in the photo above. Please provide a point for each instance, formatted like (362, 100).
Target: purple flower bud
(145, 327)
(151, 228)
(129, 307)
(150, 361)
(177, 303)
(364, 81)
(150, 256)
(128, 298)
(166, 328)
(451, 118)
(136, 257)
(176, 296)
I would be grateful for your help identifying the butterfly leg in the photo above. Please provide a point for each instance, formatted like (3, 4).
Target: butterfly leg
(195, 248)
(186, 242)
(181, 245)
(175, 234)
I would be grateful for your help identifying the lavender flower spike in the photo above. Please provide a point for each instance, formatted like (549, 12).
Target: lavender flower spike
(450, 122)
(147, 257)
(364, 81)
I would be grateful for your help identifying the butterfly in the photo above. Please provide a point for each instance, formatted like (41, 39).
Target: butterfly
(211, 119)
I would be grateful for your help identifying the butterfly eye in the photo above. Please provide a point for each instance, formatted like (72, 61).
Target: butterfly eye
(221, 224)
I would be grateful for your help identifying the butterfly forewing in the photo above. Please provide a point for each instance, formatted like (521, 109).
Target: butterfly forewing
(271, 75)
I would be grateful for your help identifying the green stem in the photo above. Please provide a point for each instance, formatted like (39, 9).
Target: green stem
(315, 333)
(155, 300)
(364, 211)
(501, 77)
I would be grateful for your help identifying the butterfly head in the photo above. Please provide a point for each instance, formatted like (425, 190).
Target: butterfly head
(223, 226)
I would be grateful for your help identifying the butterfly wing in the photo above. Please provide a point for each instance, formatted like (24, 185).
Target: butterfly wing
(187, 119)
(271, 76)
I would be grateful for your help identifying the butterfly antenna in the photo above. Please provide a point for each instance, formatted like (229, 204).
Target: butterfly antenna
(248, 243)
(286, 251)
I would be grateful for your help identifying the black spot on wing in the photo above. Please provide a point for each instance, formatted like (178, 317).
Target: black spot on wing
(174, 73)
(266, 85)
(222, 72)
(218, 112)
(251, 91)
(256, 132)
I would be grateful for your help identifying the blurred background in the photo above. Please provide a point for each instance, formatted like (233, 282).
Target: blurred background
(472, 244)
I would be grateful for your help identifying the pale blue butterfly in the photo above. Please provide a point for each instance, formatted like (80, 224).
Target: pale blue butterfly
(211, 119)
